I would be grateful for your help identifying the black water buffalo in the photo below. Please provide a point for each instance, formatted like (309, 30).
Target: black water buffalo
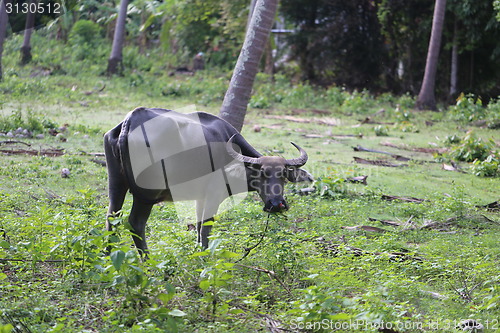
(162, 155)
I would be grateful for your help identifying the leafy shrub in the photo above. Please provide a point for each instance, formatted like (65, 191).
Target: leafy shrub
(452, 139)
(84, 31)
(472, 148)
(358, 102)
(483, 154)
(490, 167)
(300, 96)
(31, 121)
(468, 108)
(84, 38)
(381, 130)
(335, 96)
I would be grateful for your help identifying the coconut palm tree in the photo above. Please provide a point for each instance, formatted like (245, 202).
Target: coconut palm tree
(426, 98)
(3, 30)
(235, 102)
(115, 64)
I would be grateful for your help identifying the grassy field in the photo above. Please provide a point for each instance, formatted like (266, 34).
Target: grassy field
(344, 258)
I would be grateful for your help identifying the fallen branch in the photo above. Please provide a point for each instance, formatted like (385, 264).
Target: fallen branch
(312, 136)
(344, 136)
(322, 121)
(378, 163)
(386, 222)
(365, 228)
(368, 120)
(316, 111)
(100, 162)
(452, 167)
(357, 179)
(270, 273)
(52, 152)
(272, 324)
(407, 199)
(419, 150)
(14, 141)
(395, 156)
(493, 206)
(83, 152)
(452, 220)
(249, 249)
(335, 248)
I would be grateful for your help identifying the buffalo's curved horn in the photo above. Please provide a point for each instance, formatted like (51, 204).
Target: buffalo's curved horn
(299, 161)
(239, 157)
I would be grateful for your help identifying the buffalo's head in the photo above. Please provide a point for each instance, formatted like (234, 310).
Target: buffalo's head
(267, 175)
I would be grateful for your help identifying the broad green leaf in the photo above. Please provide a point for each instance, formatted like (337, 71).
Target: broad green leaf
(165, 298)
(177, 313)
(204, 284)
(117, 258)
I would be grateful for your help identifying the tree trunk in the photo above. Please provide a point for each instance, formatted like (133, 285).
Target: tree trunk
(115, 64)
(28, 31)
(269, 65)
(250, 13)
(3, 30)
(426, 98)
(454, 63)
(235, 102)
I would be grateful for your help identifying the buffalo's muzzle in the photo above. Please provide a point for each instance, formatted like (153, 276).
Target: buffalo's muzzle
(275, 206)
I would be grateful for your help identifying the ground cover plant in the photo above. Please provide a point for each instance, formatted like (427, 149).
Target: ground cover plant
(399, 230)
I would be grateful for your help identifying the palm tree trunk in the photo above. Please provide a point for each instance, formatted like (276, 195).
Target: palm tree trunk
(454, 63)
(115, 65)
(426, 98)
(235, 102)
(250, 13)
(28, 31)
(3, 30)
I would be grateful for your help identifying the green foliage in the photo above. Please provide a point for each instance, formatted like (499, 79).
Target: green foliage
(84, 32)
(489, 167)
(468, 108)
(202, 89)
(84, 38)
(483, 155)
(216, 277)
(472, 148)
(288, 269)
(213, 27)
(31, 121)
(381, 130)
(496, 4)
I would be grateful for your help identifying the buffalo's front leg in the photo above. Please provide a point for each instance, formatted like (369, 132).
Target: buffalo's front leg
(138, 217)
(203, 232)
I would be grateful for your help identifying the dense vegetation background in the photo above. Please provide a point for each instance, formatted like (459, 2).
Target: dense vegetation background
(380, 45)
(399, 232)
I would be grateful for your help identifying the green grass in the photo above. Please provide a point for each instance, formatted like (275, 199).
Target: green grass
(308, 268)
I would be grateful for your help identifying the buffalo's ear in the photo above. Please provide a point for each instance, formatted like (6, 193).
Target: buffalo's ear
(296, 175)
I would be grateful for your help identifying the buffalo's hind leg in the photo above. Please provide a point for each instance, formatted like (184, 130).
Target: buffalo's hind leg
(117, 184)
(138, 217)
